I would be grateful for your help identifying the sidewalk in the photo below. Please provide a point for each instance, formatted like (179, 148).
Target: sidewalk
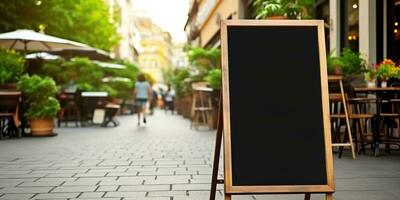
(163, 161)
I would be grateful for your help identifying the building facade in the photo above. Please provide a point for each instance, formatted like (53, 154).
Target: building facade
(127, 47)
(203, 24)
(156, 48)
(370, 27)
(180, 58)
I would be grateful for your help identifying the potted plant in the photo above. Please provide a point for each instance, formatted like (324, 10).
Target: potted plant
(385, 71)
(334, 65)
(12, 65)
(283, 9)
(39, 94)
(353, 68)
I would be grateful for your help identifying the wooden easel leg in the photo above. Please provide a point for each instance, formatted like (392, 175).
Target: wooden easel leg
(228, 197)
(307, 196)
(217, 151)
(329, 196)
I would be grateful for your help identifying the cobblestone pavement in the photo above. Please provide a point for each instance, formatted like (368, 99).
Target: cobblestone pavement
(163, 161)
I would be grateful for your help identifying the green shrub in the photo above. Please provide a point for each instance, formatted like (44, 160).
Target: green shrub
(214, 78)
(88, 76)
(332, 62)
(352, 62)
(12, 66)
(39, 95)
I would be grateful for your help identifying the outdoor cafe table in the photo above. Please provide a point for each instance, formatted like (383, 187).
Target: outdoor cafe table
(378, 91)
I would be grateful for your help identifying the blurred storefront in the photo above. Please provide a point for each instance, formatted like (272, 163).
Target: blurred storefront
(368, 26)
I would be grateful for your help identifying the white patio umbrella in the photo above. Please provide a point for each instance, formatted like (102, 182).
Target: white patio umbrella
(30, 40)
(42, 55)
(109, 65)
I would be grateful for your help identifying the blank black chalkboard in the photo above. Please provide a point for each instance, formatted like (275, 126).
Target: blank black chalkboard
(274, 118)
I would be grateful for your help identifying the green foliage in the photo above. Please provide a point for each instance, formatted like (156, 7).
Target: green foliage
(353, 63)
(332, 62)
(39, 95)
(122, 89)
(214, 78)
(12, 65)
(293, 9)
(88, 76)
(202, 61)
(268, 8)
(204, 57)
(85, 21)
(181, 82)
(204, 66)
(46, 109)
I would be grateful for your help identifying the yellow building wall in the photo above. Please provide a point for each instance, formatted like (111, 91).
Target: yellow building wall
(210, 27)
(154, 51)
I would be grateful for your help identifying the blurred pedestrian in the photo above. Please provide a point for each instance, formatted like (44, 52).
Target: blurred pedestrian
(143, 94)
(153, 102)
(169, 99)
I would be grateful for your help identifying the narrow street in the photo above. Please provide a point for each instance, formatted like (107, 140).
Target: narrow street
(163, 161)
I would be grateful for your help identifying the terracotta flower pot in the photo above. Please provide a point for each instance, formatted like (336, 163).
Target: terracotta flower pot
(42, 127)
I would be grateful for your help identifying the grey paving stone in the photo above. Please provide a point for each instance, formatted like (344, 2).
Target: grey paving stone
(121, 182)
(56, 196)
(92, 174)
(91, 195)
(144, 188)
(75, 189)
(99, 198)
(16, 196)
(126, 194)
(149, 198)
(61, 175)
(82, 183)
(115, 163)
(165, 159)
(21, 190)
(123, 174)
(156, 173)
(41, 183)
(107, 188)
(167, 193)
(169, 180)
(14, 172)
(6, 176)
(191, 187)
(110, 170)
(14, 182)
(56, 179)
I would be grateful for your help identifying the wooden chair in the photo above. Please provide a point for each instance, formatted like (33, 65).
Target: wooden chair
(361, 115)
(362, 124)
(9, 113)
(70, 111)
(338, 97)
(389, 113)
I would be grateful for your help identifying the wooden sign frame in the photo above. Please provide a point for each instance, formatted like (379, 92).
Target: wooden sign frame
(230, 189)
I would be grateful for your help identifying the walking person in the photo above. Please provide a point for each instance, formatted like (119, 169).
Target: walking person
(143, 94)
(169, 99)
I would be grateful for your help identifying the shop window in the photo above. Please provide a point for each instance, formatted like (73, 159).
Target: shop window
(394, 30)
(350, 24)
